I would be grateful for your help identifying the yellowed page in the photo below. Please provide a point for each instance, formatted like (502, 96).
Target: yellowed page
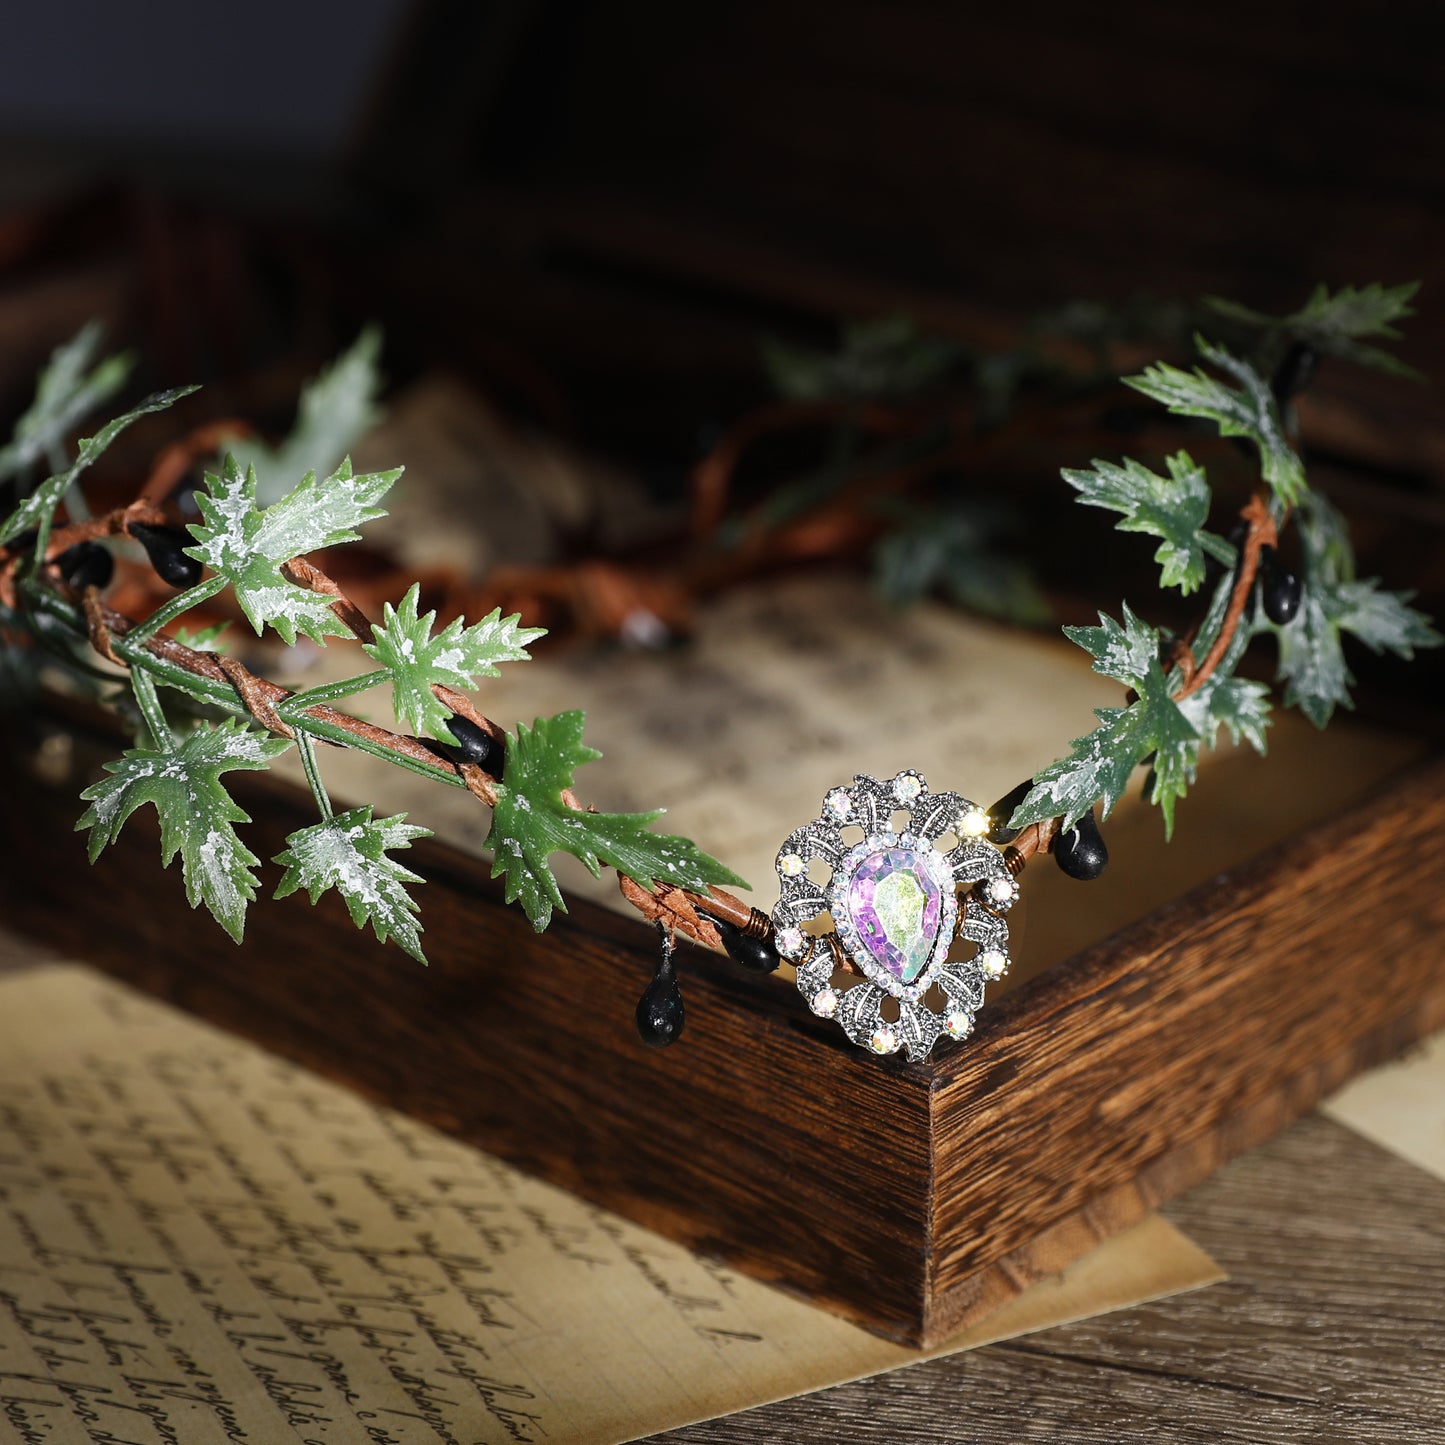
(201, 1243)
(1400, 1105)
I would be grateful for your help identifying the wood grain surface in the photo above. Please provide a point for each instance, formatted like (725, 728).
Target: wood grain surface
(911, 1198)
(1331, 1330)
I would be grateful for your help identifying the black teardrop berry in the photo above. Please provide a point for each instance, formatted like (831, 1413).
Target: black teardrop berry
(1081, 852)
(659, 1011)
(477, 745)
(757, 955)
(164, 546)
(87, 564)
(999, 831)
(1282, 591)
(1295, 371)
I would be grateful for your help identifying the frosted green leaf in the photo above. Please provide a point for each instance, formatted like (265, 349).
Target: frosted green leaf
(1096, 770)
(1234, 703)
(455, 657)
(38, 507)
(1124, 653)
(248, 546)
(196, 813)
(889, 356)
(1312, 662)
(1099, 764)
(1383, 621)
(1334, 321)
(203, 639)
(67, 391)
(348, 853)
(1311, 655)
(1172, 740)
(1172, 508)
(956, 550)
(531, 822)
(336, 410)
(1248, 410)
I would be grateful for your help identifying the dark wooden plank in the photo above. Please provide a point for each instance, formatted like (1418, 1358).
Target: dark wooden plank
(909, 1197)
(1331, 1328)
(1187, 1038)
(524, 1045)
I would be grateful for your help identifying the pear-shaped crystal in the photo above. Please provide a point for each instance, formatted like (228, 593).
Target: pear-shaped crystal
(897, 908)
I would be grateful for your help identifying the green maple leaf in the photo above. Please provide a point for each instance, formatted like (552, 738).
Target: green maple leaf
(1234, 703)
(1172, 508)
(1248, 410)
(248, 546)
(455, 656)
(196, 812)
(1125, 653)
(337, 408)
(67, 391)
(1312, 661)
(348, 853)
(956, 549)
(1383, 621)
(1334, 321)
(889, 356)
(531, 822)
(42, 502)
(1099, 764)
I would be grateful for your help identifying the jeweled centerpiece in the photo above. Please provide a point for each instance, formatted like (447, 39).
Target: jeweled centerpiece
(896, 902)
(896, 905)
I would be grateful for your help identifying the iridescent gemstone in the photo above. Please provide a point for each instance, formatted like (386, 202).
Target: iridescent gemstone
(1003, 890)
(907, 786)
(959, 1024)
(884, 1040)
(974, 823)
(896, 907)
(790, 941)
(790, 865)
(825, 1002)
(993, 963)
(838, 802)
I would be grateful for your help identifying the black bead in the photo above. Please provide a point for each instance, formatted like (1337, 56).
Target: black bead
(87, 564)
(1295, 371)
(757, 955)
(164, 547)
(1282, 591)
(999, 831)
(1081, 852)
(660, 1014)
(477, 745)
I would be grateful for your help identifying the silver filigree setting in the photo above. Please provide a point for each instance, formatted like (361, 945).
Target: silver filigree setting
(975, 891)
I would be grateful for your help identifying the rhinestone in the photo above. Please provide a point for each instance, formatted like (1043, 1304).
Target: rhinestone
(907, 786)
(838, 803)
(824, 1002)
(959, 1024)
(884, 1040)
(993, 963)
(790, 941)
(1003, 890)
(790, 865)
(974, 823)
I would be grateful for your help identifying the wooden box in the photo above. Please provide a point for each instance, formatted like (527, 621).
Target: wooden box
(911, 1198)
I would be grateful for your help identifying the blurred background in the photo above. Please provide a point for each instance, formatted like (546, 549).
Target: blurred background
(670, 296)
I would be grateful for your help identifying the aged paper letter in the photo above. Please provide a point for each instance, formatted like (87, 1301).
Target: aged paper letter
(201, 1244)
